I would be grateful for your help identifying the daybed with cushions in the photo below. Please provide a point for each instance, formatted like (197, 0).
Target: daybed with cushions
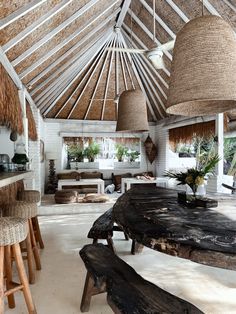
(81, 175)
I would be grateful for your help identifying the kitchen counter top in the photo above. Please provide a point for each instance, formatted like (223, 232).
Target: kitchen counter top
(7, 178)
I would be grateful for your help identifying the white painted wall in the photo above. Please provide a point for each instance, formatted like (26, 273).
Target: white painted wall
(6, 145)
(55, 131)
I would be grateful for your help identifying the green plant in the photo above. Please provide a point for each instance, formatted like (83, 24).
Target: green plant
(121, 151)
(133, 155)
(92, 151)
(195, 176)
(76, 152)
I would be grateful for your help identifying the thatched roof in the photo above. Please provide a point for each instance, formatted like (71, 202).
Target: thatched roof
(57, 49)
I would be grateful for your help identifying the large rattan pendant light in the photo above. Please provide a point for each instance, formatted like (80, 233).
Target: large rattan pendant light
(203, 74)
(132, 112)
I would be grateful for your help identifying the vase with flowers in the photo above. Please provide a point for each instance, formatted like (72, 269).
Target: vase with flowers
(194, 177)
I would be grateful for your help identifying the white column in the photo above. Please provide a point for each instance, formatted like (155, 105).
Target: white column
(25, 120)
(219, 132)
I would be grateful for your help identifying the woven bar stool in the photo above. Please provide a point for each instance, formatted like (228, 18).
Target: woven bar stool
(27, 210)
(13, 231)
(33, 196)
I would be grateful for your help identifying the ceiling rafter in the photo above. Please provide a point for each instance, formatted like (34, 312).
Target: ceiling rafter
(99, 78)
(32, 27)
(20, 12)
(128, 70)
(108, 80)
(65, 42)
(123, 12)
(122, 67)
(146, 67)
(67, 87)
(54, 32)
(140, 84)
(67, 53)
(90, 73)
(230, 5)
(178, 11)
(146, 80)
(158, 19)
(68, 75)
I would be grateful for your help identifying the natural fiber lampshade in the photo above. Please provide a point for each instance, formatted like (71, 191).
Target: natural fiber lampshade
(203, 73)
(132, 112)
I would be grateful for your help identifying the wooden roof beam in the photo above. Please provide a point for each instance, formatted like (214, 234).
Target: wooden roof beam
(98, 80)
(54, 32)
(68, 86)
(54, 89)
(149, 34)
(147, 68)
(122, 67)
(20, 12)
(177, 10)
(123, 12)
(158, 19)
(50, 53)
(89, 74)
(141, 84)
(32, 27)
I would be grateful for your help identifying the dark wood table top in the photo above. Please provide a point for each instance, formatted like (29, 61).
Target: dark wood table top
(153, 217)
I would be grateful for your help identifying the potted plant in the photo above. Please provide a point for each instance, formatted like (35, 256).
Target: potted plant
(121, 152)
(92, 151)
(133, 155)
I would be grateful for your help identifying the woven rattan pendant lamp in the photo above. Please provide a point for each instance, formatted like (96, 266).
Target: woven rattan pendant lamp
(203, 73)
(132, 112)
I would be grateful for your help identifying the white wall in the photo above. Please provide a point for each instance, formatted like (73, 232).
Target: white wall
(55, 131)
(6, 145)
(162, 142)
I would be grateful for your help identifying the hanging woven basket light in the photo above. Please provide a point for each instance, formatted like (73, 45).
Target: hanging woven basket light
(203, 73)
(132, 112)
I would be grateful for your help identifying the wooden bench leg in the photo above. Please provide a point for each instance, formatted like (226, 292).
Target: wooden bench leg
(136, 247)
(111, 244)
(30, 259)
(38, 235)
(34, 246)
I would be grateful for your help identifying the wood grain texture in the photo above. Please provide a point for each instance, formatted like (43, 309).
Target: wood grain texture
(153, 217)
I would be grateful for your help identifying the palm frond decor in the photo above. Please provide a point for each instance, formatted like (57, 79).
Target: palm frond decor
(10, 107)
(31, 123)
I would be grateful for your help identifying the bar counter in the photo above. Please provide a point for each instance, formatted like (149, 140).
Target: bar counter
(7, 178)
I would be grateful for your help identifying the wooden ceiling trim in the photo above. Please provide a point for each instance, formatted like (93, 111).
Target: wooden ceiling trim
(69, 66)
(178, 11)
(32, 27)
(68, 86)
(67, 40)
(152, 113)
(123, 12)
(99, 78)
(89, 74)
(71, 75)
(122, 67)
(20, 12)
(54, 32)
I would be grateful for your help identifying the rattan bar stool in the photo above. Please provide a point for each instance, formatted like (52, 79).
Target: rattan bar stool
(33, 196)
(28, 211)
(13, 230)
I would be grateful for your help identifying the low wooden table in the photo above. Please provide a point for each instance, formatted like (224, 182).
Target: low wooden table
(127, 182)
(68, 182)
(153, 217)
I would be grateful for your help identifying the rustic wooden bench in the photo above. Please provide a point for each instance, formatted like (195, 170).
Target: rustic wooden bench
(103, 228)
(127, 292)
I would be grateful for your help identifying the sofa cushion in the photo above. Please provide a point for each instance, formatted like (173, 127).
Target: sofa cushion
(116, 179)
(68, 175)
(141, 174)
(91, 175)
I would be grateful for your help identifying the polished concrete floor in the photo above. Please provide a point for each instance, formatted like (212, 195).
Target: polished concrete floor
(59, 285)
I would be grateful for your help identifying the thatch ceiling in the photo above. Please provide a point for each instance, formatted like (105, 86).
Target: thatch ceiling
(58, 48)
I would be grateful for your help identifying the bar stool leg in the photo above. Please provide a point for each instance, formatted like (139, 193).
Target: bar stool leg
(1, 279)
(38, 236)
(8, 273)
(34, 247)
(30, 259)
(23, 279)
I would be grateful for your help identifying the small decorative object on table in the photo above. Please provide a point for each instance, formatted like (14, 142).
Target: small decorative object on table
(194, 177)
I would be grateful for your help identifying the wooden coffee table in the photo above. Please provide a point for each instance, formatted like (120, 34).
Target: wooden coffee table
(98, 182)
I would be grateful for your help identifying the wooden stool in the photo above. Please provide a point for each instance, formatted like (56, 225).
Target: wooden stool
(27, 210)
(13, 231)
(33, 196)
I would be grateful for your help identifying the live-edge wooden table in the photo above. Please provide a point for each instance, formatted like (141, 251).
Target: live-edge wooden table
(153, 217)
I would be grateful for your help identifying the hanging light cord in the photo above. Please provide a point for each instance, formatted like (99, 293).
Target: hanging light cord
(154, 20)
